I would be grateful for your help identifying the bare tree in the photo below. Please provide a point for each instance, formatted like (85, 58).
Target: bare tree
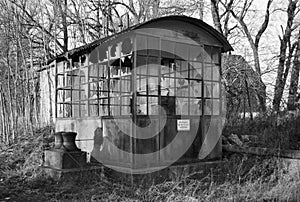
(294, 75)
(285, 41)
(254, 42)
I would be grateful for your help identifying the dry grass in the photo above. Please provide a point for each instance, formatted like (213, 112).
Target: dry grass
(243, 178)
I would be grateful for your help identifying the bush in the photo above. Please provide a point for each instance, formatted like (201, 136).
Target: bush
(272, 131)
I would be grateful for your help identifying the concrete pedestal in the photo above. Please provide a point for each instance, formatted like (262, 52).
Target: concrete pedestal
(58, 163)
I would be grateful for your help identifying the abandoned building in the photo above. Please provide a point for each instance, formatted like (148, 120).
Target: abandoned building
(148, 92)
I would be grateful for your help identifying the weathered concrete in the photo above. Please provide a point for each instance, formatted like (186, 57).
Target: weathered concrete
(64, 160)
(260, 151)
(198, 169)
(73, 173)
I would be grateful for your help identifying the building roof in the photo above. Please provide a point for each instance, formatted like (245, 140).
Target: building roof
(199, 23)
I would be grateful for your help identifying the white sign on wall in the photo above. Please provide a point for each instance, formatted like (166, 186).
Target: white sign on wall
(183, 125)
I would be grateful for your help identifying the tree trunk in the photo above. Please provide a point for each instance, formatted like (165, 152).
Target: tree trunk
(63, 13)
(294, 78)
(281, 72)
(155, 8)
(254, 43)
(249, 99)
(10, 97)
(215, 15)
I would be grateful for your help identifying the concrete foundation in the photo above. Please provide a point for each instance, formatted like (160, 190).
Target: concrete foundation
(58, 163)
(64, 160)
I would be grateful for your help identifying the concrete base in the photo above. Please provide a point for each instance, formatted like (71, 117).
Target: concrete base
(174, 173)
(61, 163)
(74, 173)
(201, 169)
(64, 160)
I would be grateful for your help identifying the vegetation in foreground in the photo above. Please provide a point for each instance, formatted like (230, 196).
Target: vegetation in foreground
(242, 178)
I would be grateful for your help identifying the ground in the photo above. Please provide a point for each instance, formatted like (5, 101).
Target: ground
(243, 178)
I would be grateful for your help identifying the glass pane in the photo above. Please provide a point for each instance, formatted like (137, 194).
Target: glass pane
(103, 71)
(181, 51)
(141, 65)
(93, 90)
(208, 107)
(126, 46)
(68, 110)
(126, 66)
(196, 70)
(75, 94)
(126, 101)
(167, 49)
(153, 106)
(196, 89)
(93, 73)
(142, 85)
(83, 109)
(75, 78)
(195, 53)
(60, 67)
(102, 51)
(216, 72)
(182, 106)
(153, 85)
(207, 72)
(115, 101)
(115, 72)
(195, 106)
(181, 68)
(60, 95)
(84, 75)
(207, 54)
(141, 42)
(168, 66)
(103, 88)
(67, 95)
(216, 55)
(115, 110)
(93, 107)
(207, 89)
(182, 91)
(153, 66)
(216, 107)
(75, 108)
(115, 106)
(103, 107)
(115, 51)
(181, 83)
(215, 90)
(60, 80)
(114, 87)
(153, 45)
(68, 81)
(125, 87)
(141, 105)
(67, 66)
(60, 110)
(125, 110)
(84, 92)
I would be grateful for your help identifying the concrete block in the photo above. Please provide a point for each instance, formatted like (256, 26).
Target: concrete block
(64, 160)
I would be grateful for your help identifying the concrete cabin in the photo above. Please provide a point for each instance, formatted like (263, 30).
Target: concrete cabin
(147, 97)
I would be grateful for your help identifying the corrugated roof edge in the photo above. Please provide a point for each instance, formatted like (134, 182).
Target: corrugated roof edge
(194, 21)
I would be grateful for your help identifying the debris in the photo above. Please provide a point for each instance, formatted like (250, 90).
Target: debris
(234, 139)
(245, 138)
